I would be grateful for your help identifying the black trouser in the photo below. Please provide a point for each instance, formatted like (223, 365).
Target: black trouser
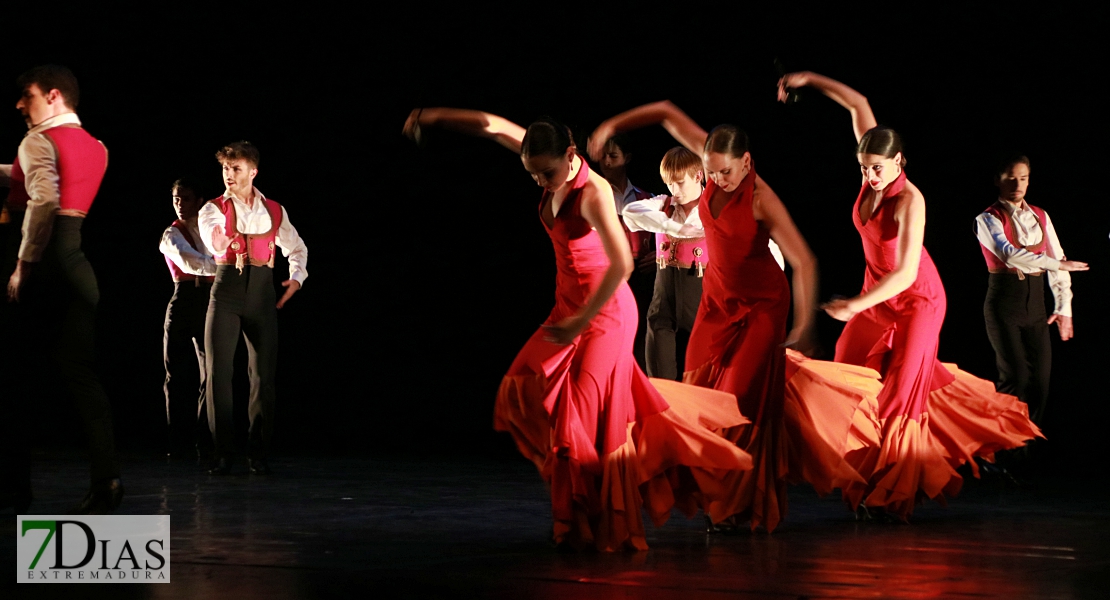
(670, 318)
(59, 300)
(641, 284)
(242, 302)
(183, 353)
(1017, 325)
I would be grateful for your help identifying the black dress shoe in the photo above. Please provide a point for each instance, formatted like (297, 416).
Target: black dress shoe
(222, 466)
(259, 466)
(103, 498)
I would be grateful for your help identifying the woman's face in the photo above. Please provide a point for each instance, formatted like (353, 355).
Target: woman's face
(549, 172)
(725, 170)
(878, 170)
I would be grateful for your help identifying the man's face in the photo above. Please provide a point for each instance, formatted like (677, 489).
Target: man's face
(35, 106)
(1013, 184)
(686, 189)
(614, 160)
(239, 177)
(185, 203)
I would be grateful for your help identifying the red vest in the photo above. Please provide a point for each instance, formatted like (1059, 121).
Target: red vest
(175, 271)
(679, 252)
(82, 160)
(17, 196)
(995, 264)
(257, 249)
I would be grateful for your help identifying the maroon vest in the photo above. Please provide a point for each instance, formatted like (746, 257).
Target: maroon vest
(638, 241)
(680, 252)
(175, 271)
(995, 264)
(256, 249)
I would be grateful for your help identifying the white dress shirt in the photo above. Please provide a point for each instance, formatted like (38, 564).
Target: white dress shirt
(623, 198)
(38, 159)
(1029, 233)
(255, 219)
(648, 215)
(195, 261)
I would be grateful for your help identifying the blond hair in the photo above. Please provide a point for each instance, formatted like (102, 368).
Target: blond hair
(678, 163)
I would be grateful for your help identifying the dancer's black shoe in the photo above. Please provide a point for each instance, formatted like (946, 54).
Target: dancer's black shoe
(259, 466)
(104, 497)
(222, 466)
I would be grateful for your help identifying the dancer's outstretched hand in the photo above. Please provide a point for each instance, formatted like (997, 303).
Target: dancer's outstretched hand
(291, 286)
(411, 129)
(1073, 265)
(18, 279)
(792, 81)
(1067, 329)
(564, 331)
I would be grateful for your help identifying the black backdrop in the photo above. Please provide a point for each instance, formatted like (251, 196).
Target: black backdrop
(429, 267)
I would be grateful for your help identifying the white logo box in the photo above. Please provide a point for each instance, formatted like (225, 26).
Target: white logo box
(92, 549)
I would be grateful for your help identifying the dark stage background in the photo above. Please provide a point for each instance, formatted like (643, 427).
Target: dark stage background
(429, 268)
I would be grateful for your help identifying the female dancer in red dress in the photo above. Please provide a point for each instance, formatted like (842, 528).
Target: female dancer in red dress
(605, 440)
(739, 336)
(932, 417)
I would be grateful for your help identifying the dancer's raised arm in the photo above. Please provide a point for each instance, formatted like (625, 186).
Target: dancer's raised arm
(470, 122)
(677, 123)
(856, 103)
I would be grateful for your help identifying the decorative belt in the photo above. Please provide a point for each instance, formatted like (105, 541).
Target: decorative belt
(668, 257)
(70, 212)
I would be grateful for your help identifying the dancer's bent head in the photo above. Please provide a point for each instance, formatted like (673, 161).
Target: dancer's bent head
(187, 198)
(45, 91)
(548, 152)
(240, 167)
(726, 156)
(681, 170)
(880, 156)
(1012, 178)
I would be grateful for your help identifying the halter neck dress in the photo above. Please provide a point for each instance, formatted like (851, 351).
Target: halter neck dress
(931, 417)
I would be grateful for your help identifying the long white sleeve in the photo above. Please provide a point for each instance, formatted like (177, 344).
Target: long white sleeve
(988, 229)
(188, 259)
(648, 215)
(293, 248)
(39, 161)
(210, 221)
(1058, 281)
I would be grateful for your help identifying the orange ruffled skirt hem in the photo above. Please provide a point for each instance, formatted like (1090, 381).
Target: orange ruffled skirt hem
(826, 420)
(671, 459)
(917, 458)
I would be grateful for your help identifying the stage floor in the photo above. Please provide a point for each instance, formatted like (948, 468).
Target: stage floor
(471, 527)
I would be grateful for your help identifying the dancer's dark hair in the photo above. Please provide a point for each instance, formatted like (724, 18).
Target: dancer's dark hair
(882, 141)
(187, 183)
(546, 137)
(236, 150)
(52, 77)
(727, 139)
(1009, 161)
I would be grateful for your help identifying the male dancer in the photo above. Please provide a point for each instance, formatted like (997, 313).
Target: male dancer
(242, 229)
(192, 269)
(57, 174)
(1019, 244)
(614, 167)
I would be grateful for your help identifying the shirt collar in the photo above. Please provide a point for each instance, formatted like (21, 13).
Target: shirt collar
(62, 119)
(257, 195)
(1011, 208)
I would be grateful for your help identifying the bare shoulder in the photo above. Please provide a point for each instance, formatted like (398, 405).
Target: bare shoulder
(909, 201)
(597, 189)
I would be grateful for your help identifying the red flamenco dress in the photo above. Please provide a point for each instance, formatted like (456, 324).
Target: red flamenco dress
(602, 435)
(736, 346)
(932, 417)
